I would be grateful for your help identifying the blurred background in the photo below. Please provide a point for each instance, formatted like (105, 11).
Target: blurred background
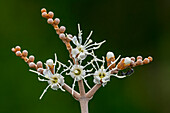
(131, 28)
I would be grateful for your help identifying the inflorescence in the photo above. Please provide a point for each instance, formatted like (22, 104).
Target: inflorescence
(101, 74)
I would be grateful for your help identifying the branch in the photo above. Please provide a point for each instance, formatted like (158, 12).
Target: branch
(90, 93)
(76, 95)
(81, 88)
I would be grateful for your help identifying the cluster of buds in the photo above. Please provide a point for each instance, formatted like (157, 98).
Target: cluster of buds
(54, 22)
(126, 63)
(29, 60)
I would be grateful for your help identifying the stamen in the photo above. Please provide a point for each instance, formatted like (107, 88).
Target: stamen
(113, 62)
(73, 85)
(88, 63)
(85, 81)
(95, 44)
(89, 70)
(89, 42)
(60, 87)
(36, 72)
(79, 34)
(44, 91)
(88, 37)
(88, 75)
(42, 79)
(117, 76)
(94, 66)
(103, 60)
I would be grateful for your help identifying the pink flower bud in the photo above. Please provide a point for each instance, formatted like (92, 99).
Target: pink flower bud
(62, 29)
(50, 14)
(39, 64)
(62, 36)
(40, 70)
(25, 53)
(13, 49)
(43, 10)
(57, 21)
(139, 57)
(133, 59)
(31, 64)
(139, 62)
(31, 58)
(18, 53)
(44, 14)
(146, 61)
(150, 58)
(17, 48)
(50, 21)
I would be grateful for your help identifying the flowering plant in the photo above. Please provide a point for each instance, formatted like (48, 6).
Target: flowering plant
(101, 74)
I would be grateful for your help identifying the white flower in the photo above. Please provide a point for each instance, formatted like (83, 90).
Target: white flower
(78, 72)
(82, 50)
(54, 79)
(102, 75)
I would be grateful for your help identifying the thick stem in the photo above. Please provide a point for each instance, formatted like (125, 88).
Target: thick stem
(81, 88)
(84, 105)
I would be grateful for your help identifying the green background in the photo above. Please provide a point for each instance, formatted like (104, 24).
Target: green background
(131, 28)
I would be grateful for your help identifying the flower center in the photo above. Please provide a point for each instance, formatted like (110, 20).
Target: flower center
(77, 72)
(81, 50)
(55, 80)
(102, 75)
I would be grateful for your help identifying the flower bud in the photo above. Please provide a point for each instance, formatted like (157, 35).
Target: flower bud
(50, 21)
(139, 57)
(18, 53)
(50, 14)
(40, 70)
(57, 21)
(31, 58)
(132, 64)
(127, 60)
(124, 63)
(13, 50)
(110, 55)
(146, 61)
(17, 48)
(133, 59)
(62, 36)
(44, 14)
(25, 53)
(139, 62)
(150, 58)
(31, 64)
(49, 62)
(39, 64)
(43, 10)
(62, 29)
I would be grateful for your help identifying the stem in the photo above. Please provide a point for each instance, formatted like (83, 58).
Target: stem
(76, 95)
(84, 105)
(81, 88)
(90, 93)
